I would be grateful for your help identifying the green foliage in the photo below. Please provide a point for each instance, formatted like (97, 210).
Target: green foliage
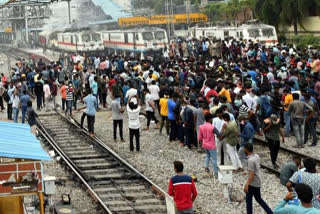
(303, 41)
(286, 12)
(227, 11)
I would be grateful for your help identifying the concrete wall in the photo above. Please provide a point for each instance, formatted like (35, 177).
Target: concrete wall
(311, 24)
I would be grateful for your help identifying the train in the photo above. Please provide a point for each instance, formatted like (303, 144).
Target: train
(265, 34)
(78, 41)
(119, 41)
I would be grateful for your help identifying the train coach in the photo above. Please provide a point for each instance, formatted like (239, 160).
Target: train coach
(265, 34)
(135, 40)
(78, 41)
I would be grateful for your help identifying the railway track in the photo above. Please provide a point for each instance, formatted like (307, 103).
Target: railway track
(111, 181)
(285, 155)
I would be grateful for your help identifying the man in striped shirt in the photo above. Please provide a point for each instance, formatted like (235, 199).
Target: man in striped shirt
(183, 190)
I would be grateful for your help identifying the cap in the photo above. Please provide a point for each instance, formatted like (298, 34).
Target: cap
(274, 118)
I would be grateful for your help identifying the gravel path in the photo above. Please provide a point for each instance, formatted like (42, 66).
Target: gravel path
(156, 158)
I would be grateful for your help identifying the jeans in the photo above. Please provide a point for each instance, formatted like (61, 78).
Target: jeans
(83, 116)
(274, 147)
(310, 129)
(104, 98)
(115, 125)
(255, 192)
(189, 133)
(298, 129)
(76, 97)
(23, 110)
(63, 104)
(9, 111)
(69, 106)
(39, 101)
(211, 153)
(287, 121)
(173, 130)
(90, 120)
(132, 133)
(150, 115)
(164, 119)
(187, 211)
(180, 133)
(15, 114)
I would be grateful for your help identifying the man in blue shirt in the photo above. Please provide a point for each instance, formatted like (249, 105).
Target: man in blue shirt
(305, 195)
(94, 87)
(172, 118)
(247, 134)
(91, 107)
(24, 99)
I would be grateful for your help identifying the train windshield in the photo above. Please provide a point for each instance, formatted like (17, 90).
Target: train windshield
(267, 32)
(147, 36)
(253, 33)
(85, 37)
(159, 35)
(96, 37)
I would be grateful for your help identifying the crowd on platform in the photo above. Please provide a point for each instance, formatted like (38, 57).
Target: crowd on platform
(211, 96)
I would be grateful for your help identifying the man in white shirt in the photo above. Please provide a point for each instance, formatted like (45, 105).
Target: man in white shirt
(218, 123)
(154, 90)
(150, 109)
(47, 94)
(131, 92)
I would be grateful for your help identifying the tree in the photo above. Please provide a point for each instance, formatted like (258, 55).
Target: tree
(286, 12)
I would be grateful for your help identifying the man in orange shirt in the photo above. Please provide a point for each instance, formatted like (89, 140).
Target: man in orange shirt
(63, 93)
(287, 100)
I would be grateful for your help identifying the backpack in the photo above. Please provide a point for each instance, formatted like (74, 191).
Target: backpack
(266, 108)
(6, 96)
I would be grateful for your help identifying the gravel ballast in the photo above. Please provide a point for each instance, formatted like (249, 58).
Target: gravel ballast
(155, 160)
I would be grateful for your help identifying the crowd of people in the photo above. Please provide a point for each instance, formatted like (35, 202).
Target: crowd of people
(213, 97)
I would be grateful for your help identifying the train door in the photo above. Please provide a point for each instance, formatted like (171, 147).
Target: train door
(126, 38)
(135, 38)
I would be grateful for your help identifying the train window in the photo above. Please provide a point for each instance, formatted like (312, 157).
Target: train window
(71, 39)
(96, 37)
(253, 33)
(267, 32)
(62, 38)
(85, 37)
(226, 33)
(241, 34)
(147, 36)
(159, 35)
(137, 37)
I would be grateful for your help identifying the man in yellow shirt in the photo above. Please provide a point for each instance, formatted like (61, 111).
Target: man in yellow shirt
(164, 112)
(225, 92)
(287, 100)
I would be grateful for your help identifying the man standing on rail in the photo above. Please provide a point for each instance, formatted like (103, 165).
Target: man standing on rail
(296, 111)
(183, 189)
(253, 185)
(91, 107)
(31, 117)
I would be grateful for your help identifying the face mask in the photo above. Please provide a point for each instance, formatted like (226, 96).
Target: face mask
(238, 103)
(242, 122)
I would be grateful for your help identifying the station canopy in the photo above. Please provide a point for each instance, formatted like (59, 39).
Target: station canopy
(17, 141)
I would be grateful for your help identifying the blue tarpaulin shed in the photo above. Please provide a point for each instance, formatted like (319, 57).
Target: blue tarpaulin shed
(111, 8)
(17, 141)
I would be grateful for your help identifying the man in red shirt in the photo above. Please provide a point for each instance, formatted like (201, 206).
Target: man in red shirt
(183, 189)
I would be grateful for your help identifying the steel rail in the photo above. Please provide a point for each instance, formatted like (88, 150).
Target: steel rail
(108, 149)
(72, 166)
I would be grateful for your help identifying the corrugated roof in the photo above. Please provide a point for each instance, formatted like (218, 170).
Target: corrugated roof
(111, 8)
(17, 141)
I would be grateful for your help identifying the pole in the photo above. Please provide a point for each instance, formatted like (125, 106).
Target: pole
(69, 11)
(26, 23)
